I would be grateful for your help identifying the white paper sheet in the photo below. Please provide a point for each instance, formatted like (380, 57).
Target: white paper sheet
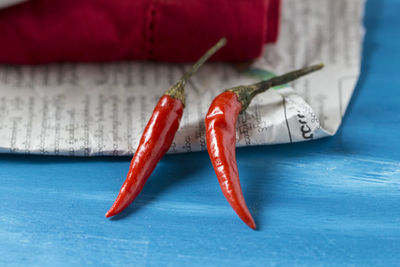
(102, 109)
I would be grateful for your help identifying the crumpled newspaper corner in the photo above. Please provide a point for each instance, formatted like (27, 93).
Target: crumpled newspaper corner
(102, 109)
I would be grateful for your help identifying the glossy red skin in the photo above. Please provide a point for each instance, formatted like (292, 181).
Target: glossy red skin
(221, 141)
(154, 143)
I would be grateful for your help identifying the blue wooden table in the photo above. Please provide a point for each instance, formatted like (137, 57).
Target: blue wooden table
(326, 202)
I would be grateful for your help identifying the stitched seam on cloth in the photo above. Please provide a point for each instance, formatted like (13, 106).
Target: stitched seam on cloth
(149, 31)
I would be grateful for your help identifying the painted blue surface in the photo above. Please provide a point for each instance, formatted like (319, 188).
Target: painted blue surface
(327, 202)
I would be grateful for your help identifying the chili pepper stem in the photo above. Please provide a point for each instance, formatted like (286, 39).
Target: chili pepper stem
(177, 91)
(246, 93)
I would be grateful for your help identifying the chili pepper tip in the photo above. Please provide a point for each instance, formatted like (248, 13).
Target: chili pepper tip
(109, 214)
(116, 208)
(244, 214)
(251, 224)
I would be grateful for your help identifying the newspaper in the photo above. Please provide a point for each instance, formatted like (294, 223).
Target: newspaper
(102, 109)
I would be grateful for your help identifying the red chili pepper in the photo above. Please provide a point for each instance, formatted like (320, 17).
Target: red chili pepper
(157, 137)
(221, 135)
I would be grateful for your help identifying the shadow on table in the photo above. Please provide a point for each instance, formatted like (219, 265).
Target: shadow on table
(173, 170)
(261, 180)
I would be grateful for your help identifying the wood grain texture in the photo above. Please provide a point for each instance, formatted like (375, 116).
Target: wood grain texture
(327, 202)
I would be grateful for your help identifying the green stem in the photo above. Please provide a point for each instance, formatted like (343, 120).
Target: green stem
(246, 93)
(178, 89)
(285, 78)
(203, 59)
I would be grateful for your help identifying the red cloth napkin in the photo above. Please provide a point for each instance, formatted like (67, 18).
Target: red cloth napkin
(43, 31)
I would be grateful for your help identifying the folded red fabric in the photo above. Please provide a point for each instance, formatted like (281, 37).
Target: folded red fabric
(43, 31)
